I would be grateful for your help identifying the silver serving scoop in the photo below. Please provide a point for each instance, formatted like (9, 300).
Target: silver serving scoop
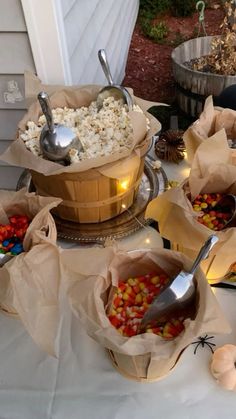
(55, 139)
(114, 90)
(4, 259)
(179, 292)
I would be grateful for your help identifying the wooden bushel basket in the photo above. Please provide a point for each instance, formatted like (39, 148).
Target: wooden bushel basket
(96, 190)
(136, 367)
(91, 197)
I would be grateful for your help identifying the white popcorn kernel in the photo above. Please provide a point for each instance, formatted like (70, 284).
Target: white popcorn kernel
(156, 165)
(101, 133)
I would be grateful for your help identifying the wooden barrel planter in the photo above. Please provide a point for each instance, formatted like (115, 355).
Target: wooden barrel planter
(193, 87)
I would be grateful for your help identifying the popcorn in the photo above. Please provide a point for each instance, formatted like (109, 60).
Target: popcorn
(101, 133)
(156, 164)
(33, 146)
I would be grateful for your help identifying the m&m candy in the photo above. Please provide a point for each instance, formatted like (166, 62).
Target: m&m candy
(131, 301)
(210, 213)
(12, 234)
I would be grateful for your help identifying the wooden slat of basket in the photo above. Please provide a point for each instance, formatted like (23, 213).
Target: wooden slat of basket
(105, 190)
(131, 364)
(87, 191)
(80, 190)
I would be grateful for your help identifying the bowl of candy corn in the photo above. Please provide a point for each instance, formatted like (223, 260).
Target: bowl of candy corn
(111, 297)
(140, 280)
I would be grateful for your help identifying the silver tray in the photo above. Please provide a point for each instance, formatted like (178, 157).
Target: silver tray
(152, 184)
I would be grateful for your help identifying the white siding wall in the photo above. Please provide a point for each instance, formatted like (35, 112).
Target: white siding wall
(90, 25)
(15, 57)
(64, 36)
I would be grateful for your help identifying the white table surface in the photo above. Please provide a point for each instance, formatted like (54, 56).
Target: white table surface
(82, 382)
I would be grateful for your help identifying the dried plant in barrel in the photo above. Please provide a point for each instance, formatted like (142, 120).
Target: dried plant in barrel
(170, 146)
(222, 58)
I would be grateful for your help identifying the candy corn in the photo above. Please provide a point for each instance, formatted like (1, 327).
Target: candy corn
(132, 299)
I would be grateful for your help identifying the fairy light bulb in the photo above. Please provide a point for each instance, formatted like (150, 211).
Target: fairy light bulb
(124, 185)
(147, 240)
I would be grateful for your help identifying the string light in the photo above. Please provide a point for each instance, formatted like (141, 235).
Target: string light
(124, 185)
(147, 240)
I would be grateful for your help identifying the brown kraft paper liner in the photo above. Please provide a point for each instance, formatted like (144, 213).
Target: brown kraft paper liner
(75, 97)
(209, 123)
(213, 170)
(96, 179)
(91, 277)
(29, 282)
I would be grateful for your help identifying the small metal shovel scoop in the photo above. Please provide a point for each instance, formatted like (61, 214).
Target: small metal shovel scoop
(179, 292)
(4, 259)
(116, 91)
(55, 139)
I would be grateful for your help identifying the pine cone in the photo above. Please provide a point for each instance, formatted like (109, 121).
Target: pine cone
(170, 146)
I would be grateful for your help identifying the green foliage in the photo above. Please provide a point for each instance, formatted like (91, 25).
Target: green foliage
(156, 32)
(183, 8)
(159, 31)
(150, 8)
(146, 26)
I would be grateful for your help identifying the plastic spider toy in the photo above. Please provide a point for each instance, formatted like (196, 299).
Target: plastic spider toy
(202, 341)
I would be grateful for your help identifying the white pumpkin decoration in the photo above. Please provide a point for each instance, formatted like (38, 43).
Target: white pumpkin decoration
(223, 366)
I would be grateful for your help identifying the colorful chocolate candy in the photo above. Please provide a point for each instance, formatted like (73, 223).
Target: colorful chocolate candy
(12, 234)
(211, 215)
(132, 299)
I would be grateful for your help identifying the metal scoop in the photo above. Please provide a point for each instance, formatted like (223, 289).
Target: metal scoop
(55, 139)
(228, 204)
(179, 292)
(4, 259)
(116, 91)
